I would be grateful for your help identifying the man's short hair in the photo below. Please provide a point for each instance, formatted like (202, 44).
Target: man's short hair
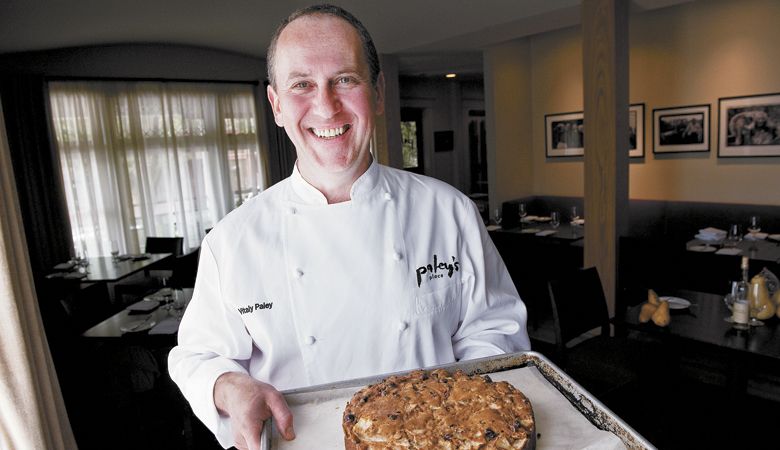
(369, 50)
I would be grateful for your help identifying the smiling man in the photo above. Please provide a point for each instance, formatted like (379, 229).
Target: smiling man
(343, 270)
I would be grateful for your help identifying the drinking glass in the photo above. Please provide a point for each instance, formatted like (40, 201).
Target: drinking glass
(755, 224)
(555, 219)
(497, 216)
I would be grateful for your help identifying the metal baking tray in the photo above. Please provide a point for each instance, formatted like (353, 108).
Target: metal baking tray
(590, 407)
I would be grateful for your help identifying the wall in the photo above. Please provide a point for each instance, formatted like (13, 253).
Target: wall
(445, 102)
(508, 116)
(683, 55)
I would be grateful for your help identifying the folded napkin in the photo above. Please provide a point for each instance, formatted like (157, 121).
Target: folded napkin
(756, 236)
(169, 325)
(711, 234)
(546, 232)
(74, 275)
(165, 293)
(143, 305)
(729, 251)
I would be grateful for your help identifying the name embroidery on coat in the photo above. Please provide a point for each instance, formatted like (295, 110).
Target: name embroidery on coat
(437, 269)
(254, 308)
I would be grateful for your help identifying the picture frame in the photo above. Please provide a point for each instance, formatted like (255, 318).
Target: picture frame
(564, 134)
(681, 129)
(749, 126)
(636, 130)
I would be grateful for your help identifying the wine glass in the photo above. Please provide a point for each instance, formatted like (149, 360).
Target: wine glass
(574, 215)
(522, 212)
(755, 308)
(179, 303)
(555, 219)
(734, 236)
(755, 224)
(114, 251)
(497, 216)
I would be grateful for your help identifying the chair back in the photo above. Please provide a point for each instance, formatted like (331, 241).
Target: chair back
(185, 268)
(578, 305)
(174, 245)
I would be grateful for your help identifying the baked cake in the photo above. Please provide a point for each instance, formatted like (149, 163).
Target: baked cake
(439, 410)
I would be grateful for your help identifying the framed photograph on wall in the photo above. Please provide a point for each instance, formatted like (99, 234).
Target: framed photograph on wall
(749, 126)
(681, 129)
(564, 134)
(636, 130)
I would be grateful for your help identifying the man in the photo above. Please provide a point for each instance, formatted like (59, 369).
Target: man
(346, 268)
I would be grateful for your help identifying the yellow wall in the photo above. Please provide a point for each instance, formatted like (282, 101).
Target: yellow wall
(508, 108)
(684, 55)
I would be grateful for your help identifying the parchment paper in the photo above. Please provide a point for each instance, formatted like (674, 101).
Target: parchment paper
(559, 425)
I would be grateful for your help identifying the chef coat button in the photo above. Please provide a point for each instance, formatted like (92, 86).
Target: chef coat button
(388, 196)
(402, 325)
(298, 273)
(293, 211)
(397, 256)
(310, 340)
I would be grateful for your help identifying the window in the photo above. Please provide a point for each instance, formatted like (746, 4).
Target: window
(153, 159)
(411, 139)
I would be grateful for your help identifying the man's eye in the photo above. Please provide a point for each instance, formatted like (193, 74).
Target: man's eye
(345, 80)
(301, 85)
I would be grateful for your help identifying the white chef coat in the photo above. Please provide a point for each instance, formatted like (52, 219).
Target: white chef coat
(297, 292)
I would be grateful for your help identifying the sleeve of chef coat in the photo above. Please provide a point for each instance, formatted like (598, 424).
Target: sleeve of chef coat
(493, 317)
(212, 340)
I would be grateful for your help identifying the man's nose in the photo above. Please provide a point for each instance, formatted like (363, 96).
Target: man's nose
(327, 102)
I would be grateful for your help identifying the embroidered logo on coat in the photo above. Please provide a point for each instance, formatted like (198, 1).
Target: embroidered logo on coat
(254, 308)
(437, 269)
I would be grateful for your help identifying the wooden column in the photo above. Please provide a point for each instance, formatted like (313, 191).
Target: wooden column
(605, 86)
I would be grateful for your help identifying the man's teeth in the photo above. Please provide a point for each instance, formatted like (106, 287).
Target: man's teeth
(330, 132)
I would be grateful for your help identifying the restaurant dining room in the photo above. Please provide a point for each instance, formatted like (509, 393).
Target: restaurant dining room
(621, 158)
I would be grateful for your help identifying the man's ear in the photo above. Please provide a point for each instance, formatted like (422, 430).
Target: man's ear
(273, 99)
(380, 94)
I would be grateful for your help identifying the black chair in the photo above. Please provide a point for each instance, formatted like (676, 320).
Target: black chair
(603, 364)
(185, 267)
(155, 244)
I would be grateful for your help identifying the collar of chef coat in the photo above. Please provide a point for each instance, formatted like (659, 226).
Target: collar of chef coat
(309, 194)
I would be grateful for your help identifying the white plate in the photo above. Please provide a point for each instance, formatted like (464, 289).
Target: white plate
(676, 302)
(774, 237)
(530, 230)
(543, 219)
(702, 248)
(144, 324)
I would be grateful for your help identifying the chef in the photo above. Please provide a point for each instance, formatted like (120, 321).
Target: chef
(345, 269)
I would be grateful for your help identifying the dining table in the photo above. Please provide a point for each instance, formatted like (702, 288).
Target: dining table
(154, 315)
(108, 269)
(763, 250)
(701, 324)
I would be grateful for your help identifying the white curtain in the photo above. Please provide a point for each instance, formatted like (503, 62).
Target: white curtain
(33, 412)
(153, 159)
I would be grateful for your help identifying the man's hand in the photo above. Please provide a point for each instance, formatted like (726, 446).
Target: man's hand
(249, 403)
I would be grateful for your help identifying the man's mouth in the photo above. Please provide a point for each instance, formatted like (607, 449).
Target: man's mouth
(330, 133)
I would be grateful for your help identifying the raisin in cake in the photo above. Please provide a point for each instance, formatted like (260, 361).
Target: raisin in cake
(439, 410)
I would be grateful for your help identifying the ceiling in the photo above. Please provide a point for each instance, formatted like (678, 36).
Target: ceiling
(429, 37)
